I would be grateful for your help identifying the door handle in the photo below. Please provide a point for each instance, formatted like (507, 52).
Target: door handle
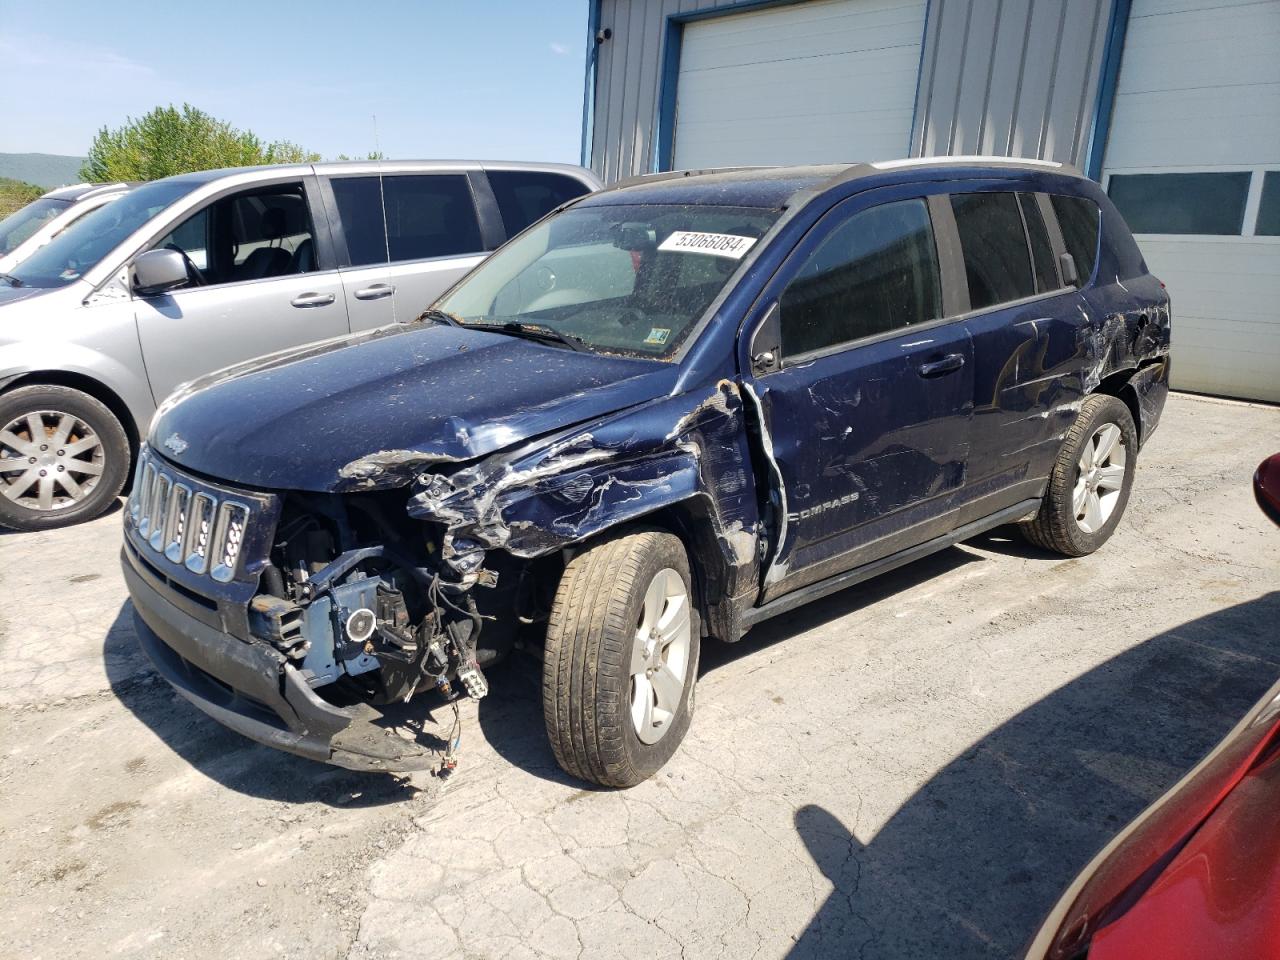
(936, 368)
(375, 291)
(313, 300)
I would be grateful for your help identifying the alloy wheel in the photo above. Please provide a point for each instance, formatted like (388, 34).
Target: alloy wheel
(49, 460)
(1100, 478)
(660, 656)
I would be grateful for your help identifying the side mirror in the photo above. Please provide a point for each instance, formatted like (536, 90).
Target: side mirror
(159, 271)
(1070, 275)
(1266, 487)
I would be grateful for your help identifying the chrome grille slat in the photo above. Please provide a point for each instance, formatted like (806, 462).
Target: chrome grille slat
(203, 508)
(176, 522)
(186, 525)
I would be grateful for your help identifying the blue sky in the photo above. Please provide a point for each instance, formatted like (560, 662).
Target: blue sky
(488, 79)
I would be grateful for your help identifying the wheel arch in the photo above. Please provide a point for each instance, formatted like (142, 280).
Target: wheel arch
(1118, 384)
(88, 385)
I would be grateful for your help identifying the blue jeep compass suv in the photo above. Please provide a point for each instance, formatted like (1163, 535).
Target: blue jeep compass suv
(664, 413)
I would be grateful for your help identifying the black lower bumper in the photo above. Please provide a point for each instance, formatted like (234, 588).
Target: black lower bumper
(251, 688)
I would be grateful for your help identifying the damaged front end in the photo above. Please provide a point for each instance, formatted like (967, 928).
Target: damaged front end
(301, 620)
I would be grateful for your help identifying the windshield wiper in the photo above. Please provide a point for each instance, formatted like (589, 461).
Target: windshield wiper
(11, 278)
(444, 316)
(534, 331)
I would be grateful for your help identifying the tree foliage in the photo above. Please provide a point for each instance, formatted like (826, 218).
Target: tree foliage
(16, 194)
(168, 141)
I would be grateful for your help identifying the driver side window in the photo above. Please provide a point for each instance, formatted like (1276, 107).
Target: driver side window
(252, 235)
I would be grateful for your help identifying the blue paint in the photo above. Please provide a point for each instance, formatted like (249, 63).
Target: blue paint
(1105, 104)
(664, 142)
(915, 103)
(589, 82)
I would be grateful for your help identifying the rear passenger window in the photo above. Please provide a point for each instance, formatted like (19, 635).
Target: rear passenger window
(427, 215)
(525, 197)
(1078, 220)
(1038, 240)
(996, 261)
(876, 272)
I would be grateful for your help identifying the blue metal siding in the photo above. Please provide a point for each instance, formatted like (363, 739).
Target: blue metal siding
(1005, 77)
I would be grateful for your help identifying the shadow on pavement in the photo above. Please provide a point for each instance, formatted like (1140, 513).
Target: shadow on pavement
(226, 757)
(972, 862)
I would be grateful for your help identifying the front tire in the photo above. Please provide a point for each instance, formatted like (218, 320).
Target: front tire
(1090, 483)
(63, 457)
(621, 659)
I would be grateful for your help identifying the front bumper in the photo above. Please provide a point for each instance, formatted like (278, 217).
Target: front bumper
(252, 689)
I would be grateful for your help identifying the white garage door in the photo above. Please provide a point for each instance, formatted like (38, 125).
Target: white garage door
(815, 82)
(1193, 162)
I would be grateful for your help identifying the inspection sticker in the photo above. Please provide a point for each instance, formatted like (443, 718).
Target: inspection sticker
(716, 244)
(658, 335)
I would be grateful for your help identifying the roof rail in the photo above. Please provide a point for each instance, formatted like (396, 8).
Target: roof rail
(975, 160)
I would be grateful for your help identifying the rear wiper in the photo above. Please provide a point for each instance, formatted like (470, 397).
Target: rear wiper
(433, 314)
(11, 278)
(534, 331)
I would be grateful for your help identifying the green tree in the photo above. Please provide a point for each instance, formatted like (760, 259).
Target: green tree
(168, 141)
(16, 194)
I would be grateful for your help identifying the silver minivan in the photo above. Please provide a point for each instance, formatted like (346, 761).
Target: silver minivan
(196, 272)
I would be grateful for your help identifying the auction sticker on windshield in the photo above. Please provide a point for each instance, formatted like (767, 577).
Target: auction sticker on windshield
(716, 244)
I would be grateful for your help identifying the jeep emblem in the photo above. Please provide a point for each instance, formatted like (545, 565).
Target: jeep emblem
(175, 443)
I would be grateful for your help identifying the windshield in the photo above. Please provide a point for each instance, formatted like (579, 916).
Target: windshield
(78, 248)
(628, 278)
(19, 226)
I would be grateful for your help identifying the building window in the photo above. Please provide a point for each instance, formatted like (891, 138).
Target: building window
(1269, 208)
(876, 272)
(1199, 203)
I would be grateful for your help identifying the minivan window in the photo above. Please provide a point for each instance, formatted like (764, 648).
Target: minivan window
(526, 196)
(83, 244)
(876, 272)
(427, 215)
(997, 262)
(252, 235)
(22, 224)
(632, 279)
(1041, 248)
(1078, 220)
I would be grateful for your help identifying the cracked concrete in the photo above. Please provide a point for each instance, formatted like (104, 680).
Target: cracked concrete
(914, 768)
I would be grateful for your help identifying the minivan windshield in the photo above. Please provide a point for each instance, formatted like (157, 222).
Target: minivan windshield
(20, 225)
(621, 278)
(79, 248)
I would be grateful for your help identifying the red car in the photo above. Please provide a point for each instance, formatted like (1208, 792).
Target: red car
(1197, 875)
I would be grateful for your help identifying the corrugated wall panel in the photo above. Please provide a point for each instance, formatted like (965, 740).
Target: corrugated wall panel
(1015, 77)
(1010, 77)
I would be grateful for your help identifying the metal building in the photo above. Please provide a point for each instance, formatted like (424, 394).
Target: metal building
(1173, 104)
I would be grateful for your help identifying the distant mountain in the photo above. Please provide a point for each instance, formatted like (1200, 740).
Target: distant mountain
(46, 170)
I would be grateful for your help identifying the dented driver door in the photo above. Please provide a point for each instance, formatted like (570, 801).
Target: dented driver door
(864, 390)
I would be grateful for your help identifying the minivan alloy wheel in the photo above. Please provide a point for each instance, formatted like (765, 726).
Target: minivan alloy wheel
(660, 656)
(49, 460)
(1101, 478)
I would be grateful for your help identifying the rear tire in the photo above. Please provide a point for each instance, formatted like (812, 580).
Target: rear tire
(1090, 483)
(64, 457)
(621, 659)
